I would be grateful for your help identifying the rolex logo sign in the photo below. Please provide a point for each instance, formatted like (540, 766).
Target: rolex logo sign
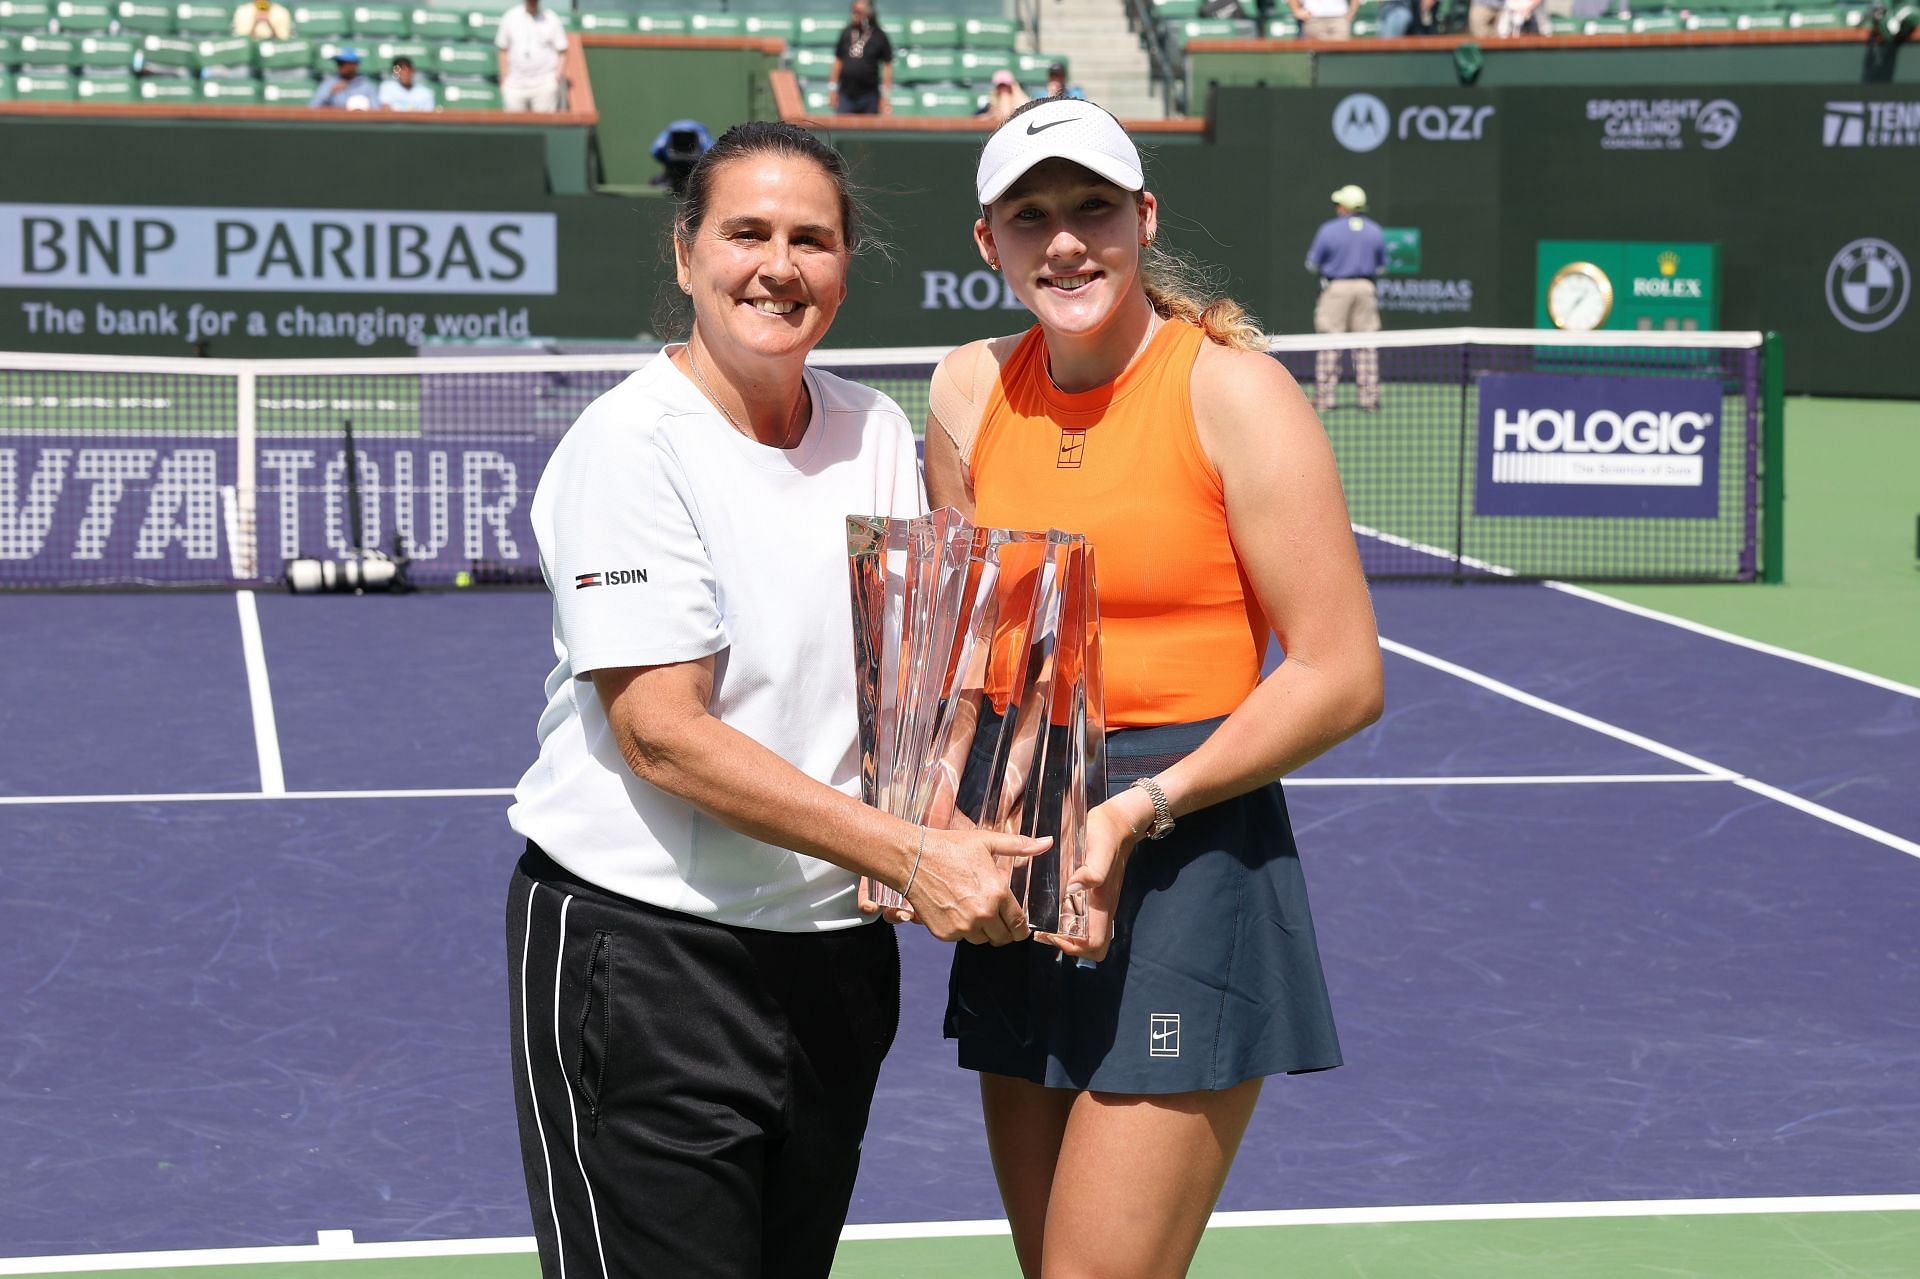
(1669, 263)
(1669, 282)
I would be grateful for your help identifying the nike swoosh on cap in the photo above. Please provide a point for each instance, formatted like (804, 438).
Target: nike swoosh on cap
(1042, 128)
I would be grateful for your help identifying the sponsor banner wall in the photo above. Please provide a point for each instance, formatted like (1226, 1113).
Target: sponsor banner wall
(1574, 445)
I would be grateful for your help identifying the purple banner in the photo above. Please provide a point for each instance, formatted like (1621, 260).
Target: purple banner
(75, 511)
(1555, 444)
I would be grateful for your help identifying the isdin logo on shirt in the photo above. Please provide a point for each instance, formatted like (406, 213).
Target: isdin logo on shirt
(609, 577)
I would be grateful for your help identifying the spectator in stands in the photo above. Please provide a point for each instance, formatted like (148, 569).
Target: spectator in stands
(1325, 19)
(348, 89)
(1483, 18)
(531, 42)
(863, 65)
(1003, 99)
(398, 92)
(1057, 86)
(1398, 18)
(1349, 253)
(1524, 18)
(263, 20)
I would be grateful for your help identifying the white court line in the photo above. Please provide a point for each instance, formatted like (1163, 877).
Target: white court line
(1825, 814)
(1653, 615)
(266, 734)
(335, 1249)
(244, 796)
(227, 797)
(1728, 637)
(1635, 779)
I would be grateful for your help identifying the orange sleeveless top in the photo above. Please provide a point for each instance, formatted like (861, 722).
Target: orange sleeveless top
(1182, 635)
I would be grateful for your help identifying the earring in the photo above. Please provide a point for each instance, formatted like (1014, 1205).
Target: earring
(994, 263)
(686, 288)
(1147, 242)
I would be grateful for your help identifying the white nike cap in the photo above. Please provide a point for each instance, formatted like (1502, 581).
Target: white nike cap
(1066, 129)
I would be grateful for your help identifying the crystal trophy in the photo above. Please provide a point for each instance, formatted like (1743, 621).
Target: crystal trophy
(977, 658)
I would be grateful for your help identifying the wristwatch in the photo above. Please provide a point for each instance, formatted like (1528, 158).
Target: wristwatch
(1162, 823)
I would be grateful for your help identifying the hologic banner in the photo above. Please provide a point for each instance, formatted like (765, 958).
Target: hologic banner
(1610, 446)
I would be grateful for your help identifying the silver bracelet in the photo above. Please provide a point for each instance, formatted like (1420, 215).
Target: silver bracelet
(1162, 822)
(916, 862)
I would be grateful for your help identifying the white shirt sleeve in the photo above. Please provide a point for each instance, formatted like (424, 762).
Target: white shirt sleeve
(632, 581)
(502, 39)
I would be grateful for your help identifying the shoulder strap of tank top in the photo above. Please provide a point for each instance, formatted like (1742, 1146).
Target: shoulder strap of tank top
(958, 396)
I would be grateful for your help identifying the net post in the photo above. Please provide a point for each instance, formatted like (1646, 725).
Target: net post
(246, 557)
(1773, 463)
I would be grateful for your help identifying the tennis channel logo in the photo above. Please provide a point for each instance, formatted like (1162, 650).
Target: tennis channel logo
(1868, 284)
(1664, 124)
(609, 577)
(1363, 122)
(1582, 446)
(1871, 124)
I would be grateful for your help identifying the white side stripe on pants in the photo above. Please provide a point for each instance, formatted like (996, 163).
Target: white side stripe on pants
(560, 1062)
(526, 1047)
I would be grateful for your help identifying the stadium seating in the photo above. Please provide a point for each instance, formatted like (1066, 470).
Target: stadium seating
(83, 17)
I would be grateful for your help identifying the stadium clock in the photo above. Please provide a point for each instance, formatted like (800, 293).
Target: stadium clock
(1580, 297)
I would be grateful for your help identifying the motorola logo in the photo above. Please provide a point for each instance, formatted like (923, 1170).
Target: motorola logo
(1361, 122)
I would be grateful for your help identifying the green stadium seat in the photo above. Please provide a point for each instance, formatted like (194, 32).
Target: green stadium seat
(1800, 19)
(1657, 24)
(228, 58)
(989, 33)
(819, 101)
(931, 33)
(1202, 29)
(470, 61)
(321, 22)
(1170, 11)
(606, 22)
(1283, 29)
(818, 30)
(288, 93)
(43, 86)
(660, 24)
(6, 81)
(279, 55)
(770, 26)
(460, 96)
(142, 17)
(1033, 66)
(289, 75)
(169, 53)
(817, 64)
(714, 24)
(107, 53)
(320, 55)
(1364, 27)
(437, 25)
(372, 22)
(1709, 22)
(104, 88)
(1606, 27)
(169, 90)
(26, 15)
(383, 53)
(928, 67)
(906, 105)
(238, 91)
(980, 64)
(1761, 22)
(41, 52)
(945, 103)
(83, 17)
(202, 19)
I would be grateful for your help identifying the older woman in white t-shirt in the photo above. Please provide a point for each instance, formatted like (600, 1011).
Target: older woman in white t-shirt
(700, 1004)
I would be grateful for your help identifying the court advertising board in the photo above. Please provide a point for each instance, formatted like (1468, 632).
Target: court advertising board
(1554, 444)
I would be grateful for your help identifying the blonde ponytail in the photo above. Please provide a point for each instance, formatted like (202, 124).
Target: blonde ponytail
(1182, 289)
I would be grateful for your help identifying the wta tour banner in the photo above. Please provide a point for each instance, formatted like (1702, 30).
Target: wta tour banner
(1610, 446)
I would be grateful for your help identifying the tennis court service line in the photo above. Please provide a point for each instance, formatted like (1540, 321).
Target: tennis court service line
(1788, 798)
(266, 733)
(338, 1245)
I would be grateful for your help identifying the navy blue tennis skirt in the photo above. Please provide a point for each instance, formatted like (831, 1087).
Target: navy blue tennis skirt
(1213, 977)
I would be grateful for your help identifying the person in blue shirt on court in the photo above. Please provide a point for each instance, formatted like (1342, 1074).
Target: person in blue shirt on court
(346, 88)
(400, 92)
(1349, 252)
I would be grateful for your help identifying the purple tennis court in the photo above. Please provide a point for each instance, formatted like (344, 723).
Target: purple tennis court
(1611, 910)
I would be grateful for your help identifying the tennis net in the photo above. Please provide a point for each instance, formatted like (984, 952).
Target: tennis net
(1491, 454)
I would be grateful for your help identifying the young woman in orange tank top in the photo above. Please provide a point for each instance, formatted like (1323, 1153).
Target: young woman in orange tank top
(1117, 1076)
